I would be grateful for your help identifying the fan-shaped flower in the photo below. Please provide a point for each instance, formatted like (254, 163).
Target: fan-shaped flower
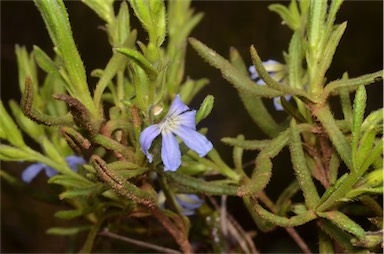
(33, 170)
(188, 202)
(180, 121)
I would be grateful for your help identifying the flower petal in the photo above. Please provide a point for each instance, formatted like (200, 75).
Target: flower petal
(188, 119)
(146, 138)
(50, 171)
(194, 140)
(277, 102)
(73, 161)
(252, 70)
(170, 152)
(177, 107)
(188, 203)
(31, 172)
(273, 66)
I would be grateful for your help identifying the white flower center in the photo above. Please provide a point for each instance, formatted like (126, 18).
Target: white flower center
(170, 123)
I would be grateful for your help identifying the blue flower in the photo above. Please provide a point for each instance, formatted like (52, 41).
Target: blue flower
(179, 121)
(187, 202)
(33, 170)
(277, 71)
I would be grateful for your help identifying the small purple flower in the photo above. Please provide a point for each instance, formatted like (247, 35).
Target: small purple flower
(179, 121)
(33, 170)
(277, 71)
(187, 202)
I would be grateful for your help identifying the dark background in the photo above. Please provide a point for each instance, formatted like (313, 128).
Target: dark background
(225, 24)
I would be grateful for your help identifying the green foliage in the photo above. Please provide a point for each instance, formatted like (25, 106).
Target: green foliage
(134, 90)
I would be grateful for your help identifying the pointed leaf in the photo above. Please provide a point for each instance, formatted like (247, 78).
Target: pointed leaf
(343, 222)
(232, 74)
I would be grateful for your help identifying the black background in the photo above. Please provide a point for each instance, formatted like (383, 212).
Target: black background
(225, 24)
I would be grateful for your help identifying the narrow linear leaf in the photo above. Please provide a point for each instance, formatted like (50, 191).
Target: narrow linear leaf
(263, 73)
(333, 87)
(260, 115)
(342, 237)
(67, 231)
(232, 74)
(199, 185)
(284, 221)
(262, 224)
(246, 144)
(337, 137)
(358, 115)
(289, 19)
(8, 128)
(343, 222)
(205, 108)
(302, 172)
(140, 60)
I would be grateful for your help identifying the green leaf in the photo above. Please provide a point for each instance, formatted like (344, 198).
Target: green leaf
(199, 185)
(254, 104)
(343, 222)
(303, 174)
(67, 231)
(372, 179)
(263, 169)
(333, 188)
(190, 88)
(376, 153)
(295, 61)
(240, 81)
(363, 191)
(26, 67)
(317, 12)
(35, 131)
(8, 128)
(330, 49)
(85, 192)
(103, 8)
(338, 139)
(116, 63)
(44, 61)
(333, 9)
(10, 153)
(56, 20)
(373, 121)
(140, 60)
(151, 14)
(358, 115)
(72, 214)
(52, 151)
(246, 144)
(181, 21)
(292, 19)
(333, 87)
(365, 146)
(205, 108)
(325, 243)
(264, 75)
(293, 221)
(71, 182)
(122, 24)
(88, 245)
(262, 224)
(341, 237)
